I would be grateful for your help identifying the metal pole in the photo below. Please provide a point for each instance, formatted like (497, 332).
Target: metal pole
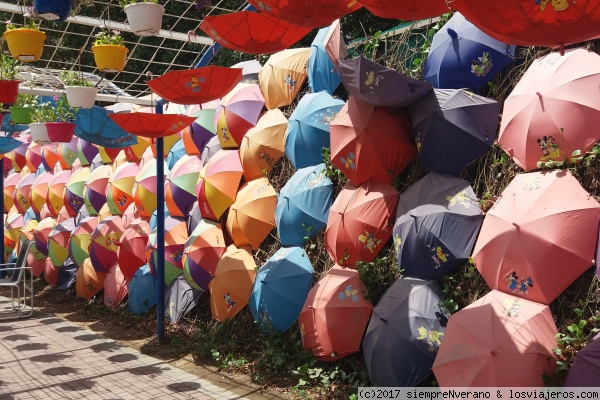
(160, 239)
(2, 219)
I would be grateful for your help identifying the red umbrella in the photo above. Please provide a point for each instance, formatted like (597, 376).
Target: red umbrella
(152, 125)
(132, 246)
(548, 23)
(196, 86)
(407, 10)
(252, 32)
(115, 287)
(311, 13)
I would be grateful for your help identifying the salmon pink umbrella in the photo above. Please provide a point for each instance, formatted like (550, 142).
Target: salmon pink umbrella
(132, 247)
(218, 183)
(335, 47)
(104, 244)
(180, 187)
(360, 222)
(195, 86)
(119, 189)
(407, 10)
(10, 185)
(81, 238)
(539, 236)
(68, 153)
(94, 193)
(37, 266)
(176, 237)
(500, 340)
(50, 272)
(144, 188)
(282, 76)
(56, 192)
(252, 32)
(50, 155)
(548, 114)
(23, 192)
(310, 13)
(152, 125)
(88, 281)
(58, 242)
(252, 216)
(39, 191)
(335, 315)
(202, 253)
(74, 190)
(115, 287)
(33, 156)
(41, 233)
(363, 135)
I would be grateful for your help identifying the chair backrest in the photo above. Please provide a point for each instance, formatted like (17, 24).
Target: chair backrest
(21, 262)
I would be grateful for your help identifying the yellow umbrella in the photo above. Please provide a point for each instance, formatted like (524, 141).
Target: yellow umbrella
(282, 76)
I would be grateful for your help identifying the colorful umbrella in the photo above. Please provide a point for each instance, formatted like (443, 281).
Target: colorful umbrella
(335, 315)
(462, 56)
(104, 244)
(251, 216)
(195, 136)
(41, 233)
(195, 86)
(152, 125)
(115, 287)
(23, 193)
(363, 135)
(132, 246)
(169, 144)
(68, 153)
(252, 32)
(88, 281)
(10, 185)
(231, 287)
(58, 242)
(119, 189)
(407, 10)
(237, 112)
(86, 152)
(202, 253)
(539, 236)
(175, 153)
(322, 73)
(453, 128)
(94, 193)
(81, 238)
(33, 156)
(282, 76)
(500, 340)
(212, 147)
(263, 145)
(404, 333)
(94, 125)
(144, 188)
(12, 232)
(585, 370)
(437, 222)
(50, 272)
(180, 298)
(74, 190)
(360, 222)
(19, 160)
(548, 114)
(37, 266)
(218, 183)
(26, 233)
(303, 205)
(107, 154)
(310, 13)
(280, 289)
(180, 187)
(142, 290)
(334, 44)
(134, 152)
(308, 128)
(250, 70)
(50, 155)
(39, 191)
(176, 237)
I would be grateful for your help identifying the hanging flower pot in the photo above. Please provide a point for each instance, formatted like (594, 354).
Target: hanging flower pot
(60, 131)
(39, 133)
(145, 19)
(25, 44)
(21, 115)
(9, 90)
(81, 96)
(53, 10)
(110, 58)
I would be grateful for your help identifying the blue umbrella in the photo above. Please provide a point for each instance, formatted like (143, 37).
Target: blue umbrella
(308, 128)
(180, 299)
(322, 75)
(280, 289)
(303, 205)
(462, 56)
(94, 125)
(8, 144)
(142, 291)
(9, 126)
(176, 152)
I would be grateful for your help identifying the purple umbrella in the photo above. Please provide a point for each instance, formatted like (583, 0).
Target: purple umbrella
(585, 371)
(86, 152)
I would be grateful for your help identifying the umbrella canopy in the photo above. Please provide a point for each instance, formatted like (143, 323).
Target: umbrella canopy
(548, 114)
(212, 147)
(303, 205)
(437, 222)
(10, 185)
(310, 13)
(407, 10)
(132, 246)
(251, 216)
(40, 234)
(463, 56)
(360, 222)
(231, 287)
(68, 152)
(237, 112)
(19, 156)
(135, 152)
(12, 232)
(56, 191)
(104, 244)
(585, 371)
(39, 191)
(334, 43)
(381, 86)
(74, 190)
(50, 272)
(58, 242)
(180, 187)
(180, 298)
(50, 155)
(175, 153)
(263, 145)
(500, 340)
(453, 128)
(23, 193)
(250, 70)
(363, 135)
(33, 156)
(202, 253)
(218, 183)
(94, 193)
(404, 334)
(176, 237)
(119, 189)
(94, 125)
(108, 155)
(252, 32)
(335, 315)
(86, 152)
(88, 281)
(282, 76)
(169, 144)
(152, 125)
(195, 86)
(142, 289)
(115, 287)
(144, 188)
(81, 238)
(539, 236)
(322, 73)
(537, 23)
(280, 289)
(195, 136)
(308, 128)
(67, 275)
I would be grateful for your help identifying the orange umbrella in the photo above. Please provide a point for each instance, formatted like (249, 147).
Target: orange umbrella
(39, 191)
(22, 193)
(50, 155)
(119, 190)
(360, 222)
(539, 236)
(335, 315)
(10, 184)
(500, 340)
(263, 145)
(88, 281)
(115, 287)
(56, 192)
(282, 76)
(231, 287)
(252, 215)
(202, 253)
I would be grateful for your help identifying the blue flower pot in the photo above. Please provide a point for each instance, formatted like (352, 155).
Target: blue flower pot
(53, 10)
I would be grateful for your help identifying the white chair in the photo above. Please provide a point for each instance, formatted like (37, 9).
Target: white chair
(20, 283)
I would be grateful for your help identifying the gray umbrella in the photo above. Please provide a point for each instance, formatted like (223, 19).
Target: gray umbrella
(210, 149)
(180, 298)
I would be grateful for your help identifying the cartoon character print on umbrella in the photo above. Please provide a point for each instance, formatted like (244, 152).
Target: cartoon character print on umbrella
(432, 338)
(482, 65)
(558, 5)
(519, 284)
(550, 150)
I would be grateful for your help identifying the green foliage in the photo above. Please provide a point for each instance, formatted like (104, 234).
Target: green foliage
(333, 173)
(574, 159)
(45, 112)
(106, 37)
(378, 275)
(418, 61)
(64, 112)
(124, 3)
(30, 24)
(26, 100)
(9, 68)
(371, 45)
(73, 78)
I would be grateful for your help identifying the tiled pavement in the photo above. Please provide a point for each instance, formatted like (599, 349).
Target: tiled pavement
(44, 357)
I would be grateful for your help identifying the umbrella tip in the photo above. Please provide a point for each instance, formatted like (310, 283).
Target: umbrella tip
(383, 320)
(539, 95)
(452, 33)
(516, 225)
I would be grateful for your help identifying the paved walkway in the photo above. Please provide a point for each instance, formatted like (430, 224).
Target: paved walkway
(44, 357)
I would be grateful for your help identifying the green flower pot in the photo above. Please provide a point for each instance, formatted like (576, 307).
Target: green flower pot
(21, 115)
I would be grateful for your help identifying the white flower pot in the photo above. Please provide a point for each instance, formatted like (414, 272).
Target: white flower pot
(81, 96)
(145, 19)
(39, 133)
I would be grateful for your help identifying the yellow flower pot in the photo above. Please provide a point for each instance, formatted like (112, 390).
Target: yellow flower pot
(110, 58)
(25, 45)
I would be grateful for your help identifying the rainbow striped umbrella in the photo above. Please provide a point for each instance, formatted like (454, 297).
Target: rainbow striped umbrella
(50, 155)
(135, 152)
(33, 156)
(68, 153)
(56, 192)
(144, 189)
(119, 192)
(202, 253)
(19, 159)
(41, 233)
(176, 237)
(180, 187)
(58, 241)
(81, 237)
(74, 190)
(10, 185)
(39, 191)
(104, 245)
(22, 193)
(86, 152)
(12, 231)
(94, 194)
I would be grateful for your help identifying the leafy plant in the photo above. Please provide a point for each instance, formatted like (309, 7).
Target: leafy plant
(124, 3)
(64, 112)
(9, 68)
(30, 24)
(106, 37)
(378, 275)
(73, 78)
(26, 100)
(574, 159)
(44, 112)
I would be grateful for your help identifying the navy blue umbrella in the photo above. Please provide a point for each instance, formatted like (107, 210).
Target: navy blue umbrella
(180, 298)
(437, 221)
(404, 334)
(66, 275)
(94, 125)
(463, 57)
(453, 128)
(322, 75)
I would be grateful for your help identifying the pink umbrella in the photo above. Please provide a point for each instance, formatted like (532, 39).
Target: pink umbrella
(115, 287)
(132, 246)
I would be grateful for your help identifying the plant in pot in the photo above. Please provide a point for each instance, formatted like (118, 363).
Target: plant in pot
(62, 128)
(9, 84)
(144, 16)
(25, 43)
(81, 91)
(109, 52)
(43, 113)
(23, 107)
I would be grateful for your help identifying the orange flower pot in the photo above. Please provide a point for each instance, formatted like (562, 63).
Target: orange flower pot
(25, 45)
(110, 58)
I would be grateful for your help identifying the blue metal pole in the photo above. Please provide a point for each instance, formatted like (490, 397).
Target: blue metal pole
(160, 239)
